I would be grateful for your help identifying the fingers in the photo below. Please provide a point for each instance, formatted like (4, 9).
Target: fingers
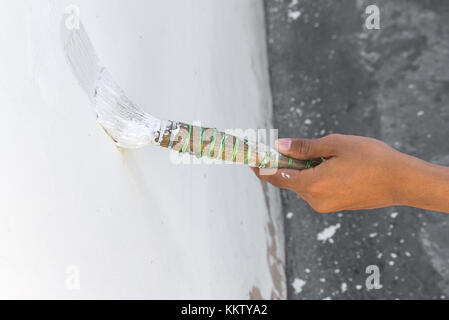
(305, 149)
(286, 179)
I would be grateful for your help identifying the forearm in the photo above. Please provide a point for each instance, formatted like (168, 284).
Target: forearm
(361, 173)
(423, 185)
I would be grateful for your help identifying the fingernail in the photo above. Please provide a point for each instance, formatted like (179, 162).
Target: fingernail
(267, 171)
(283, 145)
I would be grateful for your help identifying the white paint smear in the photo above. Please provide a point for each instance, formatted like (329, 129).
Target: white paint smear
(298, 285)
(285, 175)
(328, 233)
(289, 215)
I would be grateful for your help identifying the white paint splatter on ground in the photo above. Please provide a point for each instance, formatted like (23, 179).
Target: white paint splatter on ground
(298, 285)
(358, 287)
(393, 215)
(373, 235)
(344, 287)
(294, 14)
(285, 175)
(289, 215)
(328, 233)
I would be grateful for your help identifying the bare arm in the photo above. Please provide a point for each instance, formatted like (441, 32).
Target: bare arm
(360, 173)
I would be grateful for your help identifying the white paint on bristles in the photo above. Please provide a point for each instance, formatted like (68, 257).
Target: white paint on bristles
(125, 122)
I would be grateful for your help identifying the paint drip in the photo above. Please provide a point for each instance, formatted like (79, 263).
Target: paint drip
(125, 122)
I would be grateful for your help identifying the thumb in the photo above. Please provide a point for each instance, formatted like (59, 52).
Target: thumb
(305, 149)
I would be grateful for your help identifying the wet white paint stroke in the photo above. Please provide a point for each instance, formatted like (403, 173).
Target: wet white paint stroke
(328, 233)
(125, 122)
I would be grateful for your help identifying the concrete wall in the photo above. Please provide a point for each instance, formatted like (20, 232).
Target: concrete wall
(80, 218)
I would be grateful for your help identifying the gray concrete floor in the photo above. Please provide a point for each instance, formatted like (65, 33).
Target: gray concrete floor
(330, 74)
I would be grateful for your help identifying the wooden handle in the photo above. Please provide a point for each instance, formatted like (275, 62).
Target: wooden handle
(211, 143)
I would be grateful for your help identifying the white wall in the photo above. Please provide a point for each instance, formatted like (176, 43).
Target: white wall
(131, 224)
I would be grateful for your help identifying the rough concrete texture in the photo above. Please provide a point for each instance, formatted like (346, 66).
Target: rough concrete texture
(331, 74)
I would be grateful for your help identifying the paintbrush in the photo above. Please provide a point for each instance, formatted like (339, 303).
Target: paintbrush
(131, 127)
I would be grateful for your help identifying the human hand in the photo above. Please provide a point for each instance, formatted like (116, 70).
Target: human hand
(359, 173)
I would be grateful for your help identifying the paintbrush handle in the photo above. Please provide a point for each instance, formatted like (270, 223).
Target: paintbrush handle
(213, 144)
